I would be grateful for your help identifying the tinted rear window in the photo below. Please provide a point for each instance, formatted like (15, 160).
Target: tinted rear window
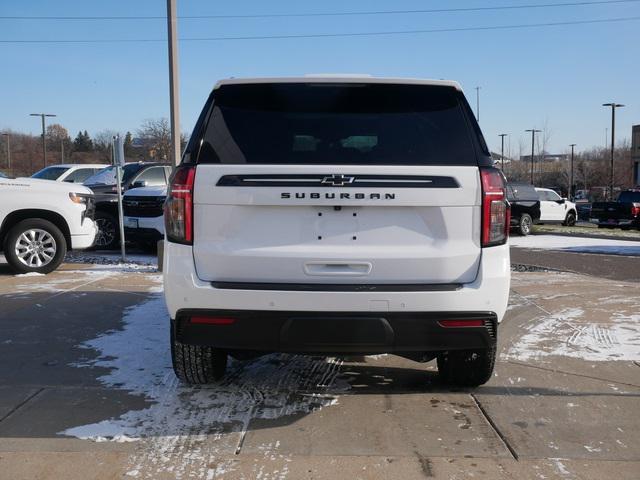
(629, 197)
(325, 123)
(50, 173)
(519, 192)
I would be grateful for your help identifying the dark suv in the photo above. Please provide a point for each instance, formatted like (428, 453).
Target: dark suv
(103, 184)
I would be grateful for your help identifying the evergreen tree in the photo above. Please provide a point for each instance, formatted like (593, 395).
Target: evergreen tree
(82, 142)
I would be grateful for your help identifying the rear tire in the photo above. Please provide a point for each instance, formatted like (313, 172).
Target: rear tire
(467, 368)
(524, 224)
(197, 364)
(570, 220)
(34, 241)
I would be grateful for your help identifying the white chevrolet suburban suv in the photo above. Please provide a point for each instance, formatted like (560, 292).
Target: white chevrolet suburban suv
(325, 215)
(40, 220)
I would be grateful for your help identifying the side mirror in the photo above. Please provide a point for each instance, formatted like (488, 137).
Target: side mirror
(139, 184)
(561, 201)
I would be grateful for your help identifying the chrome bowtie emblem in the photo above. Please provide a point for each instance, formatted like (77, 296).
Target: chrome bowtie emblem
(337, 180)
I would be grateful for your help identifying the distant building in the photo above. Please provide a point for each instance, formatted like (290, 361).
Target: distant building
(635, 153)
(547, 157)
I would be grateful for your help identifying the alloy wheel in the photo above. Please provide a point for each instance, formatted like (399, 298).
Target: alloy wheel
(35, 247)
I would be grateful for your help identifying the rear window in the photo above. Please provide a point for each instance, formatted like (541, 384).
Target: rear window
(327, 123)
(629, 197)
(50, 173)
(519, 192)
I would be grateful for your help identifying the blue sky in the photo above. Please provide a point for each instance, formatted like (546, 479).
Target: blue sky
(558, 76)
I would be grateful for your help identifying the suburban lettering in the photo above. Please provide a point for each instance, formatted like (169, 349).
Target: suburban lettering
(342, 196)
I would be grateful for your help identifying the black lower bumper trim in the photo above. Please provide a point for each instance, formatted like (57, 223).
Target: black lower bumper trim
(336, 332)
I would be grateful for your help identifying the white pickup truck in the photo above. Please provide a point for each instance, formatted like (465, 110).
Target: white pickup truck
(40, 220)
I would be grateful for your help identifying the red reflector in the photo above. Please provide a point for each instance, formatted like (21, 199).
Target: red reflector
(461, 323)
(200, 320)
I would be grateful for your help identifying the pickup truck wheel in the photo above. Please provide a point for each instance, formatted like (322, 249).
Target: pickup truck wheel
(107, 236)
(570, 220)
(197, 364)
(35, 245)
(524, 225)
(467, 368)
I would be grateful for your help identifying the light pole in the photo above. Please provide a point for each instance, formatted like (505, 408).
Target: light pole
(533, 140)
(571, 174)
(613, 106)
(174, 104)
(8, 135)
(44, 143)
(478, 104)
(502, 135)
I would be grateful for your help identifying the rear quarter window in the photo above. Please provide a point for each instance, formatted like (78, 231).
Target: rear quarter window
(326, 123)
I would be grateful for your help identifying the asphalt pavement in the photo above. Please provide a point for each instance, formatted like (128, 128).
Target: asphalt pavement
(86, 390)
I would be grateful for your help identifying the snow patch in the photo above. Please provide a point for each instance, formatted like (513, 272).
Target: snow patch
(577, 244)
(198, 422)
(562, 334)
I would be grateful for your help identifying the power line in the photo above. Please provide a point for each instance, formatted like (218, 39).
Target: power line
(331, 35)
(328, 14)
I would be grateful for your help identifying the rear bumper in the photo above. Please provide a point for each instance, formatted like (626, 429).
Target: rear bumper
(618, 222)
(489, 292)
(336, 332)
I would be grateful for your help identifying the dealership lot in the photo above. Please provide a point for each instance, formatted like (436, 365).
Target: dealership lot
(87, 391)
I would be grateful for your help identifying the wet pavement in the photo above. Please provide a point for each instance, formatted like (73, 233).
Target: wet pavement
(86, 391)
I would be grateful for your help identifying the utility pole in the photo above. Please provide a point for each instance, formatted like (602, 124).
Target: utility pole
(478, 104)
(174, 91)
(571, 174)
(8, 135)
(44, 141)
(533, 140)
(502, 135)
(613, 106)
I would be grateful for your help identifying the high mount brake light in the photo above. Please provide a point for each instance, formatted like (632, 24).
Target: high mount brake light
(178, 208)
(496, 213)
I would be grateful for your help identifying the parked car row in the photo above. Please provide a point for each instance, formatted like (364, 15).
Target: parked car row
(69, 206)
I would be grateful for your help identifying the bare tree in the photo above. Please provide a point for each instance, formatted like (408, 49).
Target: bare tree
(156, 137)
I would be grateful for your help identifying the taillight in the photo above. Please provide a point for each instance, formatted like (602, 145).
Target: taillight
(472, 322)
(635, 209)
(213, 320)
(178, 208)
(496, 213)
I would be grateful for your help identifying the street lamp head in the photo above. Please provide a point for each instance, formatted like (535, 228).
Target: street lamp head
(572, 145)
(613, 104)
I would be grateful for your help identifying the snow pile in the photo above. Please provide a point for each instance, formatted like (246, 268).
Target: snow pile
(577, 244)
(135, 261)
